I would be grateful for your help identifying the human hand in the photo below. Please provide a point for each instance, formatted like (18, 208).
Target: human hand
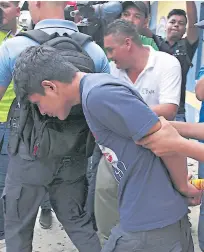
(164, 142)
(196, 200)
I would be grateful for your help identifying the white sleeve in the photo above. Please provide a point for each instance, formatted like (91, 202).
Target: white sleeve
(170, 85)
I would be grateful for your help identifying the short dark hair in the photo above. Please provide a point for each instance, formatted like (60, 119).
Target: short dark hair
(178, 12)
(123, 27)
(39, 63)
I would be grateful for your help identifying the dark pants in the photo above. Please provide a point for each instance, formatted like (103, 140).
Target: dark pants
(4, 160)
(3, 170)
(173, 238)
(27, 184)
(46, 202)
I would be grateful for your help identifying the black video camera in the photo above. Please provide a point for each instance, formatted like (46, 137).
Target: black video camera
(90, 24)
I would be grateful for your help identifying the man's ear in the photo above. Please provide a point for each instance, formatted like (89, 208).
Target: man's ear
(18, 11)
(128, 43)
(38, 3)
(146, 23)
(49, 86)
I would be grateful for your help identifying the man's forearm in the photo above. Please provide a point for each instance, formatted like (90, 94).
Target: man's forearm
(192, 30)
(191, 12)
(177, 167)
(190, 130)
(192, 149)
(168, 111)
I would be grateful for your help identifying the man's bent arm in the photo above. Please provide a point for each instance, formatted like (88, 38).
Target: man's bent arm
(169, 90)
(132, 120)
(167, 140)
(176, 164)
(168, 111)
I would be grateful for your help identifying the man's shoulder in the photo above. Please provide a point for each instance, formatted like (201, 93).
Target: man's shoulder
(98, 56)
(167, 60)
(101, 81)
(92, 49)
(146, 40)
(18, 43)
(91, 84)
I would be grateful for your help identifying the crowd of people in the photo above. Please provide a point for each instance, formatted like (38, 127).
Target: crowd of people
(87, 131)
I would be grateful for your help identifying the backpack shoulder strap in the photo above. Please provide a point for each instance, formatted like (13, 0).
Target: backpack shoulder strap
(37, 35)
(12, 108)
(80, 38)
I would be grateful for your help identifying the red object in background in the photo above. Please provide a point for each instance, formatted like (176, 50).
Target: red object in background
(72, 3)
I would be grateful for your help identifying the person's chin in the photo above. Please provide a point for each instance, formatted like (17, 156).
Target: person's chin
(175, 34)
(4, 22)
(61, 118)
(118, 65)
(64, 116)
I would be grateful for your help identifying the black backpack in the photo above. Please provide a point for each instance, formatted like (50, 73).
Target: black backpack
(34, 136)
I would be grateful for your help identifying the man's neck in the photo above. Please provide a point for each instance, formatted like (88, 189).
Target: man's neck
(8, 28)
(172, 41)
(13, 31)
(139, 59)
(53, 14)
(76, 87)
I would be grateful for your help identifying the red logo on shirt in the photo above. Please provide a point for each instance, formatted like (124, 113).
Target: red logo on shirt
(108, 157)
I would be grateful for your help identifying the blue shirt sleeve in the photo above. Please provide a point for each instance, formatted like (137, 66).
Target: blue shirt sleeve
(201, 73)
(120, 111)
(98, 56)
(9, 51)
(5, 70)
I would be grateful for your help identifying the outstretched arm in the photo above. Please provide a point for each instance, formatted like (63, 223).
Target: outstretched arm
(169, 140)
(192, 30)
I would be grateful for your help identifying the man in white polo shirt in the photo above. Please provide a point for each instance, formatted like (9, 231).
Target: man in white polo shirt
(157, 76)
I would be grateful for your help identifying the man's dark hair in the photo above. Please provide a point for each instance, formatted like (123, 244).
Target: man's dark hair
(178, 12)
(39, 63)
(122, 27)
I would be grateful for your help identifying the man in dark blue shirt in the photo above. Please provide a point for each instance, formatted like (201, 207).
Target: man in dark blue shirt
(118, 118)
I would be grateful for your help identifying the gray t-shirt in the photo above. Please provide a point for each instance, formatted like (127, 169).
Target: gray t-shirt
(118, 117)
